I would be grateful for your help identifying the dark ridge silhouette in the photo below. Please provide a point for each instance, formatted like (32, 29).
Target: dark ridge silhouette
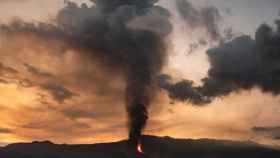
(154, 147)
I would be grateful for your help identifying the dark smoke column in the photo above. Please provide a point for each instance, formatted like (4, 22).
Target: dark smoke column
(138, 29)
(126, 36)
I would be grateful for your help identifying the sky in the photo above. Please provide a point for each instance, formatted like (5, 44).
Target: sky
(68, 99)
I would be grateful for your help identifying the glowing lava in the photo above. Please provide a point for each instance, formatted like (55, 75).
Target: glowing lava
(139, 148)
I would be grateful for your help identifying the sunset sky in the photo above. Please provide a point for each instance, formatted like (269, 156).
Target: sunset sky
(66, 98)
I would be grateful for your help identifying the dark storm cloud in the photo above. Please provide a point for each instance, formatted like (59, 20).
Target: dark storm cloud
(126, 36)
(273, 132)
(58, 92)
(207, 17)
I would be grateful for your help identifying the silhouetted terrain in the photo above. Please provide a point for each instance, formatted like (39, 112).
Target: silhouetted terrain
(154, 147)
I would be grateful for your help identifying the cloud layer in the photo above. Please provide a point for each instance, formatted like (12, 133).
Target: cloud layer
(108, 33)
(241, 64)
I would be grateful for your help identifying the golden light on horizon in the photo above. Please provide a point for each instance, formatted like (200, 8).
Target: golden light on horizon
(47, 93)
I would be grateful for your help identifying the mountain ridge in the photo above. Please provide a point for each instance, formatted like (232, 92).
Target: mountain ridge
(154, 147)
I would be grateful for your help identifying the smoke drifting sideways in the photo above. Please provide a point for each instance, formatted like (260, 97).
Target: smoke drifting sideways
(241, 64)
(128, 36)
(246, 63)
(183, 91)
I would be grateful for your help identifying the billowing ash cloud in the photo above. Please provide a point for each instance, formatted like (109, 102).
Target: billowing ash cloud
(182, 91)
(245, 63)
(207, 18)
(241, 64)
(126, 36)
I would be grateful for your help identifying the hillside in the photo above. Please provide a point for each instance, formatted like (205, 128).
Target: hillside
(154, 147)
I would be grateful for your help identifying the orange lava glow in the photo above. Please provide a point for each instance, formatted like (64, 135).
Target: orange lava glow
(139, 148)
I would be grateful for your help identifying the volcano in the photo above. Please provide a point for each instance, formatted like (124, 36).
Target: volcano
(153, 147)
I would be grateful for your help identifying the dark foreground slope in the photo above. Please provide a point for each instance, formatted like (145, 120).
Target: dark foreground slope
(154, 147)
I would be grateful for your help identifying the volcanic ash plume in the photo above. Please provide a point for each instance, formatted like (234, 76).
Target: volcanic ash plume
(127, 36)
(241, 64)
(245, 63)
(182, 90)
